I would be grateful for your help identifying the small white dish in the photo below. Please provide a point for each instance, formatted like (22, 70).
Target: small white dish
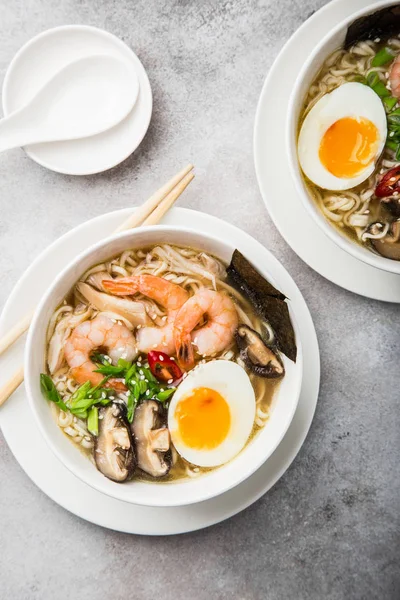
(38, 60)
(277, 187)
(328, 44)
(185, 491)
(54, 479)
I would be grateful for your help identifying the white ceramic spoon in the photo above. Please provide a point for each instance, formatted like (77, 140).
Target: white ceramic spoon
(86, 97)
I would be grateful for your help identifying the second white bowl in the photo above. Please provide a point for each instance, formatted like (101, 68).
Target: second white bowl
(333, 40)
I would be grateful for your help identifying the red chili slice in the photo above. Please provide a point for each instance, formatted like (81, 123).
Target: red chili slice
(389, 183)
(163, 367)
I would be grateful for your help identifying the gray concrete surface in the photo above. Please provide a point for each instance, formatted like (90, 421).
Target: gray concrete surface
(330, 527)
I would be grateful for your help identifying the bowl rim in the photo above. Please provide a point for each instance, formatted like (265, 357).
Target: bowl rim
(346, 244)
(31, 383)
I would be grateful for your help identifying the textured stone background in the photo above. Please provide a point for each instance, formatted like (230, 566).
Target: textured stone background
(330, 527)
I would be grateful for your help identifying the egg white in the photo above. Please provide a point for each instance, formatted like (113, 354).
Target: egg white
(353, 100)
(232, 382)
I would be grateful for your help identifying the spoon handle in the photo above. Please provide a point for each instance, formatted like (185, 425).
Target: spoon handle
(16, 131)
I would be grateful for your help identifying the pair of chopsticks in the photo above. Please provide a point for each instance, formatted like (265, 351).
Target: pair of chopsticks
(150, 213)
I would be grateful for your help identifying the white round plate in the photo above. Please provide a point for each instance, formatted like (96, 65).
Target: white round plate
(55, 480)
(278, 190)
(38, 60)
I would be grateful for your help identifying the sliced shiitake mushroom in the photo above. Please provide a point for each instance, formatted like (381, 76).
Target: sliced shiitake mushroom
(114, 453)
(256, 355)
(388, 246)
(152, 439)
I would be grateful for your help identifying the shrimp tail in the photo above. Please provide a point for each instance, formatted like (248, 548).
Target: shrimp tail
(184, 351)
(121, 287)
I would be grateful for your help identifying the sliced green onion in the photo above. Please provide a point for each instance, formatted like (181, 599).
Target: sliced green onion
(377, 85)
(131, 405)
(390, 102)
(49, 390)
(381, 89)
(131, 372)
(81, 414)
(163, 396)
(372, 78)
(142, 386)
(110, 370)
(124, 364)
(392, 145)
(397, 155)
(93, 420)
(99, 386)
(394, 120)
(382, 57)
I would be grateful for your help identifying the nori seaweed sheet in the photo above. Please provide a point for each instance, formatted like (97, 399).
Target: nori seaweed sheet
(381, 24)
(268, 302)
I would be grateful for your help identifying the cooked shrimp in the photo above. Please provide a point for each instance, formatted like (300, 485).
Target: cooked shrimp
(101, 332)
(214, 336)
(169, 295)
(394, 77)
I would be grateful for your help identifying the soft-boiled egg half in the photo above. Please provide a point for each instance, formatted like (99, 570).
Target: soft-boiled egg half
(212, 412)
(342, 137)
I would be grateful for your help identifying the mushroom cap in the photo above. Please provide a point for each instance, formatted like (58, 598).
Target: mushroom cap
(152, 438)
(257, 356)
(114, 453)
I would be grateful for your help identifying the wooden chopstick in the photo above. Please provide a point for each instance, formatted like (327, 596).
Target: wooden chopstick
(15, 332)
(11, 385)
(147, 208)
(150, 213)
(169, 200)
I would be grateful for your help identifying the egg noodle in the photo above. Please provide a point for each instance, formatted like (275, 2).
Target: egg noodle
(352, 210)
(190, 269)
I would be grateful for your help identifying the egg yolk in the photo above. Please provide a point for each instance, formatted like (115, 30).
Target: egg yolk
(348, 146)
(204, 419)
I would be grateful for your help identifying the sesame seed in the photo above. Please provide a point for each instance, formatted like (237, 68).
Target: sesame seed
(377, 40)
(147, 392)
(138, 327)
(112, 397)
(170, 381)
(161, 358)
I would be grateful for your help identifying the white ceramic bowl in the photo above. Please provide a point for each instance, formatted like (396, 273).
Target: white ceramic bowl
(328, 44)
(137, 492)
